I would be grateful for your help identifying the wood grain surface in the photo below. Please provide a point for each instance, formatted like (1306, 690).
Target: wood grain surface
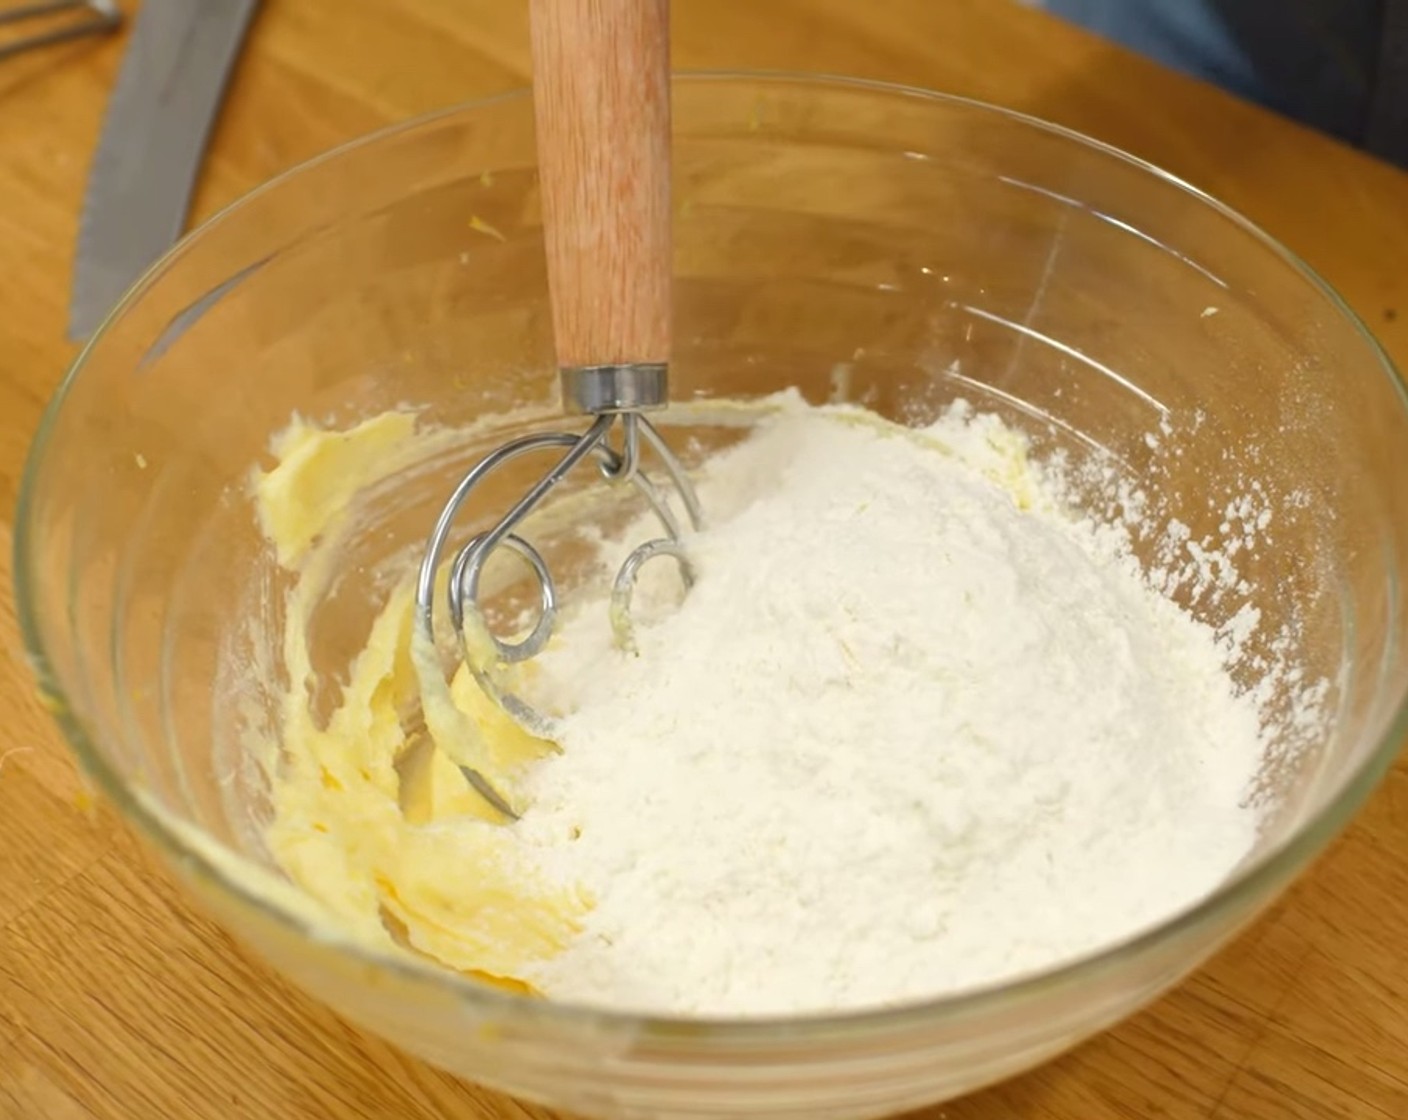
(118, 1003)
(601, 102)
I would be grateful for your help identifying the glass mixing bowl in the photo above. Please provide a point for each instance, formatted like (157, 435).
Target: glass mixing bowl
(893, 246)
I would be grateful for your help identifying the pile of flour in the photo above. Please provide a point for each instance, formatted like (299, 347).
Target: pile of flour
(916, 729)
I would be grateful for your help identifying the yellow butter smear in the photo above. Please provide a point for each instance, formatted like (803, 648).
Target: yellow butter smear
(379, 825)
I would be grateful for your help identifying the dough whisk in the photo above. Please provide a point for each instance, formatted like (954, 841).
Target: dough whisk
(602, 111)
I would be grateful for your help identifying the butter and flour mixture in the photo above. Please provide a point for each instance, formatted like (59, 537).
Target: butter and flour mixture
(916, 729)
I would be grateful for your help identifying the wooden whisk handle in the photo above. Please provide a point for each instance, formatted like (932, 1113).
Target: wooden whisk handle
(601, 96)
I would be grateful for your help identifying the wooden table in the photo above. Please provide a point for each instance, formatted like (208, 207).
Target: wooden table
(118, 1003)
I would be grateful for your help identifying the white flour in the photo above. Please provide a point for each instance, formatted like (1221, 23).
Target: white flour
(914, 730)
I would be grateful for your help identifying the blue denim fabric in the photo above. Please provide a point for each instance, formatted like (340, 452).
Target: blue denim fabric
(1340, 66)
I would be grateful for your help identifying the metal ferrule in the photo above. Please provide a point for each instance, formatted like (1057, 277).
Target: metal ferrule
(637, 387)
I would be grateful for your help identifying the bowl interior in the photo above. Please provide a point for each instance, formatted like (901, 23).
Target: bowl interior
(860, 244)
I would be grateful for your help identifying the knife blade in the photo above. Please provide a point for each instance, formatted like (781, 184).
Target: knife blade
(158, 120)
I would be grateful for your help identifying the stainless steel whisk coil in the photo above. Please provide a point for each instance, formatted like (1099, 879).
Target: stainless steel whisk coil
(611, 394)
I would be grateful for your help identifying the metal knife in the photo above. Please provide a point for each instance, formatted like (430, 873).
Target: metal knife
(158, 120)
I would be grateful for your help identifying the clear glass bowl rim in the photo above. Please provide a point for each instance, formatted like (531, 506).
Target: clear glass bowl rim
(1280, 862)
